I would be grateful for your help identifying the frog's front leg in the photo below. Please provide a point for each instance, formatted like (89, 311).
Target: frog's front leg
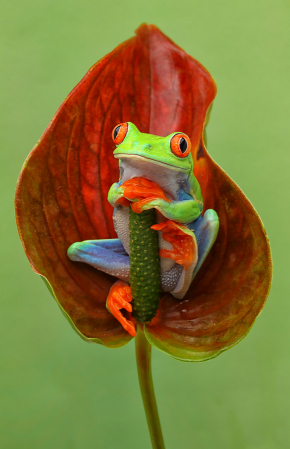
(145, 195)
(179, 211)
(115, 195)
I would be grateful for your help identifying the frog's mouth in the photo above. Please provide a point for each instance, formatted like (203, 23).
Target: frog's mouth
(144, 159)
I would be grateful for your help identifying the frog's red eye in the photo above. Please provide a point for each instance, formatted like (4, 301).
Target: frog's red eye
(180, 145)
(119, 133)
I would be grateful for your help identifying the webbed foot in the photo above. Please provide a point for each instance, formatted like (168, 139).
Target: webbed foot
(119, 298)
(184, 246)
(184, 252)
(143, 194)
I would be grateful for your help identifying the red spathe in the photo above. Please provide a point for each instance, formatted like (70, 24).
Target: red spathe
(62, 192)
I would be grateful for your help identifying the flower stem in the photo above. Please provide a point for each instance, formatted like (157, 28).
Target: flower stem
(143, 358)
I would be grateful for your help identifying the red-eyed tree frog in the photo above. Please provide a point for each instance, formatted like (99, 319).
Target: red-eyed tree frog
(155, 172)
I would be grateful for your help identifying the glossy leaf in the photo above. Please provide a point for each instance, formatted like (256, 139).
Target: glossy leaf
(61, 198)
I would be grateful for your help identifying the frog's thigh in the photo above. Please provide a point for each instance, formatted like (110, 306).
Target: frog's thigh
(206, 230)
(108, 256)
(170, 278)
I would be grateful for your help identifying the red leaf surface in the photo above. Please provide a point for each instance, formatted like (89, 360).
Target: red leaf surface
(62, 191)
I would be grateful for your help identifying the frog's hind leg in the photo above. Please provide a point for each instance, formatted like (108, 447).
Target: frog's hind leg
(108, 256)
(206, 230)
(184, 251)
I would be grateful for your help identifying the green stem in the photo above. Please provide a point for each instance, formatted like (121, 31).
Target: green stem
(143, 358)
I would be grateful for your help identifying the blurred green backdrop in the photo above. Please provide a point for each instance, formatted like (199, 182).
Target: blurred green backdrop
(59, 392)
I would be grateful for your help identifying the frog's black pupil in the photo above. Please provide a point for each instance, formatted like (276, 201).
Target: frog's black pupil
(116, 131)
(183, 145)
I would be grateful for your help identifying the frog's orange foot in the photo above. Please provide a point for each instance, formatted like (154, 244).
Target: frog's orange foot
(183, 241)
(142, 191)
(137, 188)
(119, 298)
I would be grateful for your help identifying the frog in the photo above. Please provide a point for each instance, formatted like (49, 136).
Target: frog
(155, 173)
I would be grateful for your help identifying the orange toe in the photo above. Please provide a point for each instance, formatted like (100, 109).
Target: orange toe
(119, 298)
(184, 248)
(138, 188)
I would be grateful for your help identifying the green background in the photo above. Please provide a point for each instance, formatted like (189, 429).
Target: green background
(60, 392)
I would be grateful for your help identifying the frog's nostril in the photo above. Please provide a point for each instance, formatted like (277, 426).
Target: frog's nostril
(146, 146)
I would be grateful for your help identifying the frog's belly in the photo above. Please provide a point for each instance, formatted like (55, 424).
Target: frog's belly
(121, 225)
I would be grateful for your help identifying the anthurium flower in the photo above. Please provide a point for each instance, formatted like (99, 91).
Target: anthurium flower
(61, 198)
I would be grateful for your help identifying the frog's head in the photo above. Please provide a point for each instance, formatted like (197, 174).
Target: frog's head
(171, 152)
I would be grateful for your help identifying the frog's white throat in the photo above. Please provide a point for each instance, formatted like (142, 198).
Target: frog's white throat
(143, 160)
(162, 174)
